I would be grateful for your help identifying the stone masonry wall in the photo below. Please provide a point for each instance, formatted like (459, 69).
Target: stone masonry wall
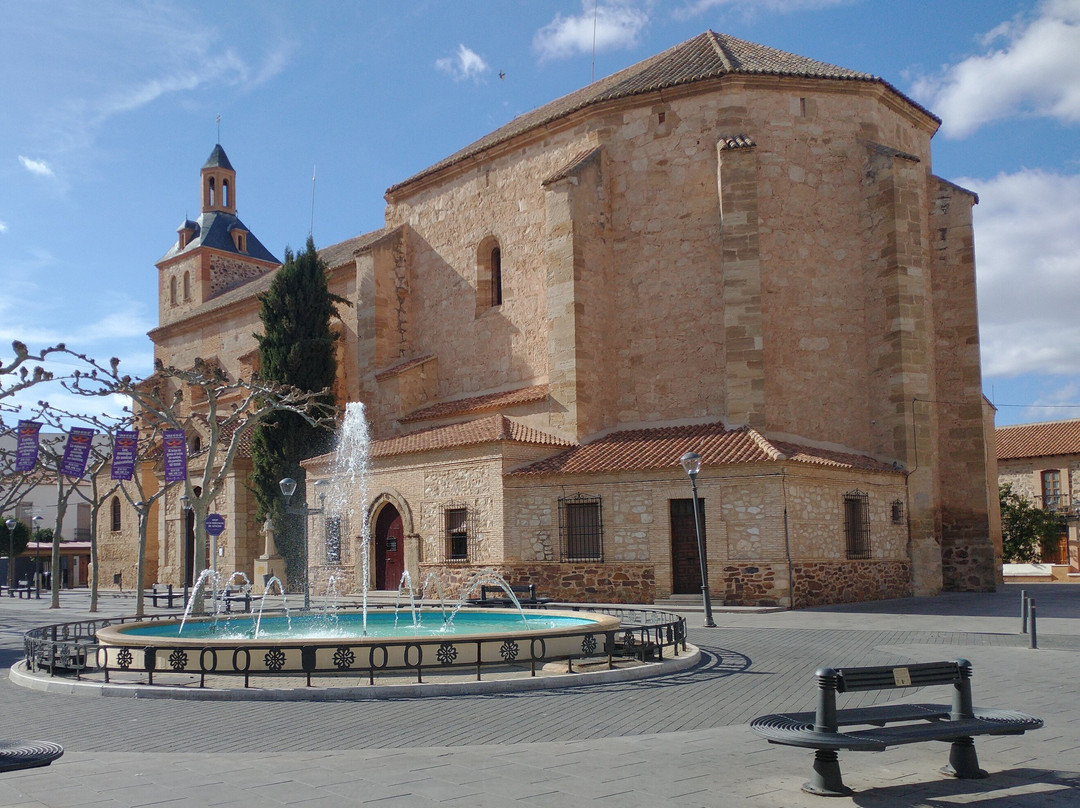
(575, 583)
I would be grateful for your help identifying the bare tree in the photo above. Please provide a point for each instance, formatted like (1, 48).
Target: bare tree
(228, 409)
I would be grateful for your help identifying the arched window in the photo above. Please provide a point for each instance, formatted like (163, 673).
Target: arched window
(115, 506)
(224, 193)
(211, 189)
(489, 286)
(172, 291)
(187, 286)
(196, 444)
(496, 276)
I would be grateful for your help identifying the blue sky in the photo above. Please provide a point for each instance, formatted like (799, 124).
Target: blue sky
(108, 110)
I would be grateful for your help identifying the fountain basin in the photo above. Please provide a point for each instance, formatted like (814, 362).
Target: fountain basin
(325, 644)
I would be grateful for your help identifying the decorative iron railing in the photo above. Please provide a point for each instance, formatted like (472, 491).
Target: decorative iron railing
(73, 649)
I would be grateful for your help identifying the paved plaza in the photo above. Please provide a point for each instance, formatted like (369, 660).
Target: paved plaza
(679, 740)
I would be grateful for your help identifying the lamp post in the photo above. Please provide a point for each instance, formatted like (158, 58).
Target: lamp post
(10, 525)
(185, 506)
(288, 488)
(37, 555)
(691, 463)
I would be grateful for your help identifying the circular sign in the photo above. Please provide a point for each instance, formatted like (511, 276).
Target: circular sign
(215, 524)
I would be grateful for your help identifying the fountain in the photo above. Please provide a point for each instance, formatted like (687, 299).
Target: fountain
(354, 640)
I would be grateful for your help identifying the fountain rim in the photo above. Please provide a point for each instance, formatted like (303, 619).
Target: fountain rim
(119, 634)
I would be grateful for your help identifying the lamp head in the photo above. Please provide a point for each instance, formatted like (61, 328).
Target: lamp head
(691, 463)
(288, 488)
(10, 523)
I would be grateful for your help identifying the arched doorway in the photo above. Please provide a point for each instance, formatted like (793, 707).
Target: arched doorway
(389, 548)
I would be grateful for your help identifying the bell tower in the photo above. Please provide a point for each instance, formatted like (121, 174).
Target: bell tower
(218, 183)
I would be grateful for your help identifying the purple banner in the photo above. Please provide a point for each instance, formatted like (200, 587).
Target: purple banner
(125, 448)
(26, 452)
(77, 451)
(175, 452)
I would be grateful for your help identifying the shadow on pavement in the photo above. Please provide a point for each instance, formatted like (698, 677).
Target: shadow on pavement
(1012, 788)
(1054, 600)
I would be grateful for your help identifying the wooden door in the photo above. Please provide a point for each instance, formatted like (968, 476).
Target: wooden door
(389, 548)
(685, 569)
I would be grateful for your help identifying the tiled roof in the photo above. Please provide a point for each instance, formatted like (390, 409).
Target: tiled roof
(730, 143)
(213, 229)
(491, 401)
(641, 449)
(218, 159)
(1038, 440)
(243, 449)
(706, 56)
(492, 429)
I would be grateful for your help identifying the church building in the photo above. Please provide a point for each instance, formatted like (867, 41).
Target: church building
(724, 249)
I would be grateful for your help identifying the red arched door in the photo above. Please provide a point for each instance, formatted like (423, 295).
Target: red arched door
(389, 548)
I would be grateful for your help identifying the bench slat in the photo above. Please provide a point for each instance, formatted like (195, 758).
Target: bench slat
(884, 677)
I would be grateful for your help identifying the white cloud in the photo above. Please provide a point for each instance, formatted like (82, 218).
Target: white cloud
(694, 8)
(39, 167)
(463, 65)
(617, 25)
(1034, 71)
(1027, 250)
(3, 226)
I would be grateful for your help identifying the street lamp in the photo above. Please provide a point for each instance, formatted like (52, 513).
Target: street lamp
(691, 463)
(288, 488)
(10, 525)
(37, 555)
(185, 506)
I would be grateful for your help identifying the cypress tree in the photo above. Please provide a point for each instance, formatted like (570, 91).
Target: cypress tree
(296, 348)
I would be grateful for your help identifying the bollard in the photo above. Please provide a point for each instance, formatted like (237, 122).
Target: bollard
(1034, 633)
(1023, 611)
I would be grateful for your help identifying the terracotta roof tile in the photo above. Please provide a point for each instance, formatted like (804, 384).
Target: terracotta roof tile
(706, 56)
(575, 162)
(490, 401)
(492, 429)
(641, 449)
(732, 142)
(1038, 440)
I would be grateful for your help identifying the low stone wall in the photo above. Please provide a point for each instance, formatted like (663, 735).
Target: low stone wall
(825, 582)
(575, 583)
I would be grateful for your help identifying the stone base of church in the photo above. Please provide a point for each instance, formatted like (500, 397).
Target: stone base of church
(825, 582)
(582, 582)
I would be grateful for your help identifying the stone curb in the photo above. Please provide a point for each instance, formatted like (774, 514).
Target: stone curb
(22, 677)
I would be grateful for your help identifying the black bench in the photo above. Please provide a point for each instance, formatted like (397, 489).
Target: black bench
(24, 589)
(892, 724)
(27, 754)
(162, 592)
(235, 594)
(495, 596)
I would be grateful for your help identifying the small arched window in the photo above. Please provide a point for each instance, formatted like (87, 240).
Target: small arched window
(172, 291)
(211, 190)
(224, 193)
(496, 276)
(187, 286)
(489, 286)
(115, 506)
(196, 444)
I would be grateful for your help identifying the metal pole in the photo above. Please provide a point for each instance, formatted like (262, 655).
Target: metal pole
(1023, 611)
(1034, 632)
(705, 596)
(307, 589)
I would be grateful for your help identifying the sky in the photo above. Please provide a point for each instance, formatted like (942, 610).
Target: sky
(109, 109)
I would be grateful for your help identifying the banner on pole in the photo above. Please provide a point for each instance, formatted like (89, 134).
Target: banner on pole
(26, 451)
(77, 451)
(175, 454)
(125, 447)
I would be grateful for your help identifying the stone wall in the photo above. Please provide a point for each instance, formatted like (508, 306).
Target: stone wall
(823, 583)
(575, 583)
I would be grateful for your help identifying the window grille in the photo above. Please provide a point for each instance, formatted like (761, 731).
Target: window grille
(457, 540)
(496, 276)
(115, 507)
(333, 540)
(857, 524)
(581, 529)
(897, 512)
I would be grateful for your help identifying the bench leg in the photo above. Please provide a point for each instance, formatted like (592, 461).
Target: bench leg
(963, 761)
(826, 781)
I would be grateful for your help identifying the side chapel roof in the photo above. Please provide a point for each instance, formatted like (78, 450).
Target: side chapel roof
(1038, 440)
(706, 56)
